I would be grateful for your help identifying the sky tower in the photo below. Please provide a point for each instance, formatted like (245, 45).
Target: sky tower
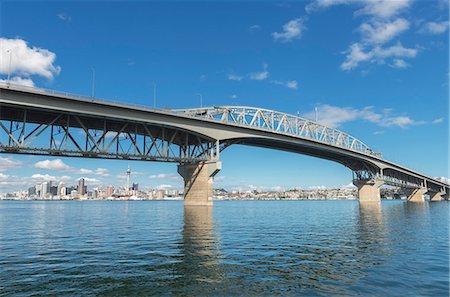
(128, 179)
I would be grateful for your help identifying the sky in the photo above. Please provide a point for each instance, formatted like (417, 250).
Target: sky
(376, 69)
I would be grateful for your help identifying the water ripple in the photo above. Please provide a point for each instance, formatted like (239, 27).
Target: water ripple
(252, 248)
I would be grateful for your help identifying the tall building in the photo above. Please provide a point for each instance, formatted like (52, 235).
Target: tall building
(31, 191)
(44, 189)
(61, 187)
(81, 187)
(128, 179)
(109, 191)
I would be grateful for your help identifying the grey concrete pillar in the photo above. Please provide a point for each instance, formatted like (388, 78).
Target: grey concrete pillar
(416, 195)
(369, 191)
(198, 182)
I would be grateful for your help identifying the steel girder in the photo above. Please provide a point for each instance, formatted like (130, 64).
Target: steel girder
(282, 123)
(24, 131)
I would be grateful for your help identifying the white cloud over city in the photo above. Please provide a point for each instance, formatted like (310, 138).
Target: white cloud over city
(59, 165)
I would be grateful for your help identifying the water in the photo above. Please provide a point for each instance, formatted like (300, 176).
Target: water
(250, 248)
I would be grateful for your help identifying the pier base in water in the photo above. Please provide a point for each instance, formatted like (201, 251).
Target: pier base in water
(416, 195)
(368, 191)
(198, 182)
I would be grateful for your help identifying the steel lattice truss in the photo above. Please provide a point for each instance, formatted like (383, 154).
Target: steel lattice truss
(388, 177)
(75, 136)
(282, 123)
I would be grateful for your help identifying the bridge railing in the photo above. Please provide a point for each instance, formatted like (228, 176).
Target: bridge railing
(44, 91)
(282, 123)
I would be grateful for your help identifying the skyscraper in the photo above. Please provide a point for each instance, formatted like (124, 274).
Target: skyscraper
(81, 187)
(61, 186)
(109, 191)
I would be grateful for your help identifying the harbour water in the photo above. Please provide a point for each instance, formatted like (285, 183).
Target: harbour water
(249, 248)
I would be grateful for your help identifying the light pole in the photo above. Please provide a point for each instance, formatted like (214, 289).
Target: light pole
(154, 95)
(9, 67)
(201, 99)
(315, 111)
(93, 82)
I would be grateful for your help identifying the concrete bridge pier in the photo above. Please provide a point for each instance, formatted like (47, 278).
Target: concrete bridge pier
(416, 194)
(435, 196)
(368, 190)
(198, 182)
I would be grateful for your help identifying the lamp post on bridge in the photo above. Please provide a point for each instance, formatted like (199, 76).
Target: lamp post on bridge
(154, 95)
(201, 99)
(93, 82)
(9, 67)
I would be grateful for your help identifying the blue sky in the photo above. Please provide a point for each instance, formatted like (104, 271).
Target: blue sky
(375, 69)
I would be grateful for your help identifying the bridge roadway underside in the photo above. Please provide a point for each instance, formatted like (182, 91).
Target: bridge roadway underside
(44, 124)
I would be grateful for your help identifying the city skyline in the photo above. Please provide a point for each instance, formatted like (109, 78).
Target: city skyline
(245, 61)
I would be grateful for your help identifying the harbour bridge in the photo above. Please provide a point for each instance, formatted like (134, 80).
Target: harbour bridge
(45, 122)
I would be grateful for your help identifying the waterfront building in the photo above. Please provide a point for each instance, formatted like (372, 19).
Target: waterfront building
(81, 187)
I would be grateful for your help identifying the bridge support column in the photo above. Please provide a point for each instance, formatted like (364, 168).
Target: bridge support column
(198, 182)
(368, 190)
(416, 195)
(435, 196)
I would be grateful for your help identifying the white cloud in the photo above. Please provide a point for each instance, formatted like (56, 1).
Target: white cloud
(9, 163)
(220, 178)
(381, 32)
(319, 4)
(263, 75)
(291, 30)
(64, 17)
(92, 181)
(356, 54)
(349, 186)
(102, 172)
(43, 177)
(235, 77)
(65, 178)
(334, 116)
(27, 61)
(291, 84)
(438, 121)
(17, 80)
(234, 96)
(378, 28)
(15, 183)
(383, 8)
(56, 164)
(400, 121)
(254, 28)
(444, 179)
(399, 63)
(165, 176)
(434, 28)
(59, 165)
(85, 171)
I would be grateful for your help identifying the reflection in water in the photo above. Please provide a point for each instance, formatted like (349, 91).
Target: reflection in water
(199, 266)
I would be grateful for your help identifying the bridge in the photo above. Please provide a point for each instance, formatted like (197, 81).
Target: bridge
(45, 122)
